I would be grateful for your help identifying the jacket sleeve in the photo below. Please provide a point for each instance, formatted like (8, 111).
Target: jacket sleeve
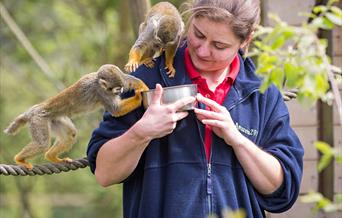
(109, 128)
(282, 142)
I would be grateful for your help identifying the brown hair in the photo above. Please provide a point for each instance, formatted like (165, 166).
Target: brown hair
(242, 15)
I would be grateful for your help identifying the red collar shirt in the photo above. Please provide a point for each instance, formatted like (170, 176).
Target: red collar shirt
(218, 95)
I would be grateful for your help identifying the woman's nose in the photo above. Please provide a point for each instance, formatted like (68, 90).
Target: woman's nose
(203, 50)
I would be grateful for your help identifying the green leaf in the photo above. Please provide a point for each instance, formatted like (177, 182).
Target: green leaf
(327, 156)
(327, 24)
(322, 23)
(336, 10)
(321, 82)
(311, 197)
(324, 162)
(323, 147)
(320, 8)
(278, 42)
(265, 84)
(334, 18)
(277, 77)
(292, 74)
(338, 159)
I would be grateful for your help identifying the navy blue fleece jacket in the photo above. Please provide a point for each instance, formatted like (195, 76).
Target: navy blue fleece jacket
(173, 177)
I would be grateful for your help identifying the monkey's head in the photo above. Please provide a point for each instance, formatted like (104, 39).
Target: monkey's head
(111, 80)
(114, 82)
(169, 30)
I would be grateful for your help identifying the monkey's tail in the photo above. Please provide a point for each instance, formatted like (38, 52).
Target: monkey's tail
(19, 122)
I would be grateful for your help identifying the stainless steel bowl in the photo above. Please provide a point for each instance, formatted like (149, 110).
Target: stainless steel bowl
(172, 94)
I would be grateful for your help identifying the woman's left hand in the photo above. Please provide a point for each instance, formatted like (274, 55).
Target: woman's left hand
(219, 119)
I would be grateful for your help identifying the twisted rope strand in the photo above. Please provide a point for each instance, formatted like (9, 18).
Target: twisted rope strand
(49, 168)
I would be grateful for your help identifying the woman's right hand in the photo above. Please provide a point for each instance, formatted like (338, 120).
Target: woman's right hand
(161, 119)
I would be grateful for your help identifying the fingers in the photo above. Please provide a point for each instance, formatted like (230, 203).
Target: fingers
(157, 96)
(181, 115)
(212, 104)
(204, 114)
(182, 102)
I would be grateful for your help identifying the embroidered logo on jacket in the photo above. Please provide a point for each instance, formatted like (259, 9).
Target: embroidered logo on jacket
(251, 132)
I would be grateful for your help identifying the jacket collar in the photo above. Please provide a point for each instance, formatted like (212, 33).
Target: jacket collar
(245, 83)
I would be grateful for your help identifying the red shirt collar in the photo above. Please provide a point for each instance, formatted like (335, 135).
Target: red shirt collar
(194, 74)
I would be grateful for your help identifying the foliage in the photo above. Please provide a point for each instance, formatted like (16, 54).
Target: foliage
(74, 38)
(294, 57)
(323, 203)
(328, 153)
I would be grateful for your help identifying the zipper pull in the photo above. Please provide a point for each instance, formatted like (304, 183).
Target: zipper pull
(209, 182)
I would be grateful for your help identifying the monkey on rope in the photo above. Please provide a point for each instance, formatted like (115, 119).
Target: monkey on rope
(52, 116)
(161, 31)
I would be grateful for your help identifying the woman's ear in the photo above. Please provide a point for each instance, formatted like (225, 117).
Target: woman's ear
(246, 43)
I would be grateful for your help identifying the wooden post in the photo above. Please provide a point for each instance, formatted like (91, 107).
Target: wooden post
(326, 127)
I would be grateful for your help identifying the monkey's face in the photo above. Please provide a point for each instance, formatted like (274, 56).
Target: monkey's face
(111, 80)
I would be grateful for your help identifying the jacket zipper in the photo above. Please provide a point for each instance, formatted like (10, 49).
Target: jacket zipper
(242, 99)
(209, 179)
(209, 188)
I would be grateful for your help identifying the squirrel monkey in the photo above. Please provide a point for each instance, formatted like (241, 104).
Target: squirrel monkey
(52, 116)
(161, 31)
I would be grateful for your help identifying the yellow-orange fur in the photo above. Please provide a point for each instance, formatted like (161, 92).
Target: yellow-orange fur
(161, 31)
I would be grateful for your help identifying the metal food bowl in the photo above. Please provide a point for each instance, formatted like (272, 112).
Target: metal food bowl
(172, 94)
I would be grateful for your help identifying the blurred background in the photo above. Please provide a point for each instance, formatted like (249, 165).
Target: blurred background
(72, 38)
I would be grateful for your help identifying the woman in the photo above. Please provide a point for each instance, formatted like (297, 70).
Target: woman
(237, 150)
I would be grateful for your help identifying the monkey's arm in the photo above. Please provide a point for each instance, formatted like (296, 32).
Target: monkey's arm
(134, 59)
(129, 104)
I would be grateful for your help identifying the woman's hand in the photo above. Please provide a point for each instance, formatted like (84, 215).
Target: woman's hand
(219, 119)
(161, 119)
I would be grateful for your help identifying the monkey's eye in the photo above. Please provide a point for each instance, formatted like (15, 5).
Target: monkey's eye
(118, 90)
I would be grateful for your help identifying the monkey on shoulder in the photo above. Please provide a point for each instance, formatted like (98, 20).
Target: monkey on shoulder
(161, 31)
(52, 116)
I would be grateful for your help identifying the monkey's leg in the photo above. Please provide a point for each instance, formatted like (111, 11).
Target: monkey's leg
(65, 132)
(170, 52)
(40, 133)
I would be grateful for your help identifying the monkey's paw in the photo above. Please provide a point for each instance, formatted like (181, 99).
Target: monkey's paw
(22, 162)
(149, 64)
(58, 160)
(171, 71)
(131, 66)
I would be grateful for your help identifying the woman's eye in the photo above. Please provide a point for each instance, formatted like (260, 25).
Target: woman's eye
(220, 46)
(199, 35)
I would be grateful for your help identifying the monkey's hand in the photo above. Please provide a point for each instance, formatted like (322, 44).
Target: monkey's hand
(131, 66)
(171, 71)
(131, 103)
(149, 63)
(134, 60)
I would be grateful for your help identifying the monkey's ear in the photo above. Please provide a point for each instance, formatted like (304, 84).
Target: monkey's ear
(155, 28)
(155, 23)
(103, 83)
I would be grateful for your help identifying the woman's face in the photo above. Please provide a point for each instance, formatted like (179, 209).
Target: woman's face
(212, 45)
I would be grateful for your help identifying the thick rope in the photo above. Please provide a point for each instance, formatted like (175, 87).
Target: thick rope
(49, 168)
